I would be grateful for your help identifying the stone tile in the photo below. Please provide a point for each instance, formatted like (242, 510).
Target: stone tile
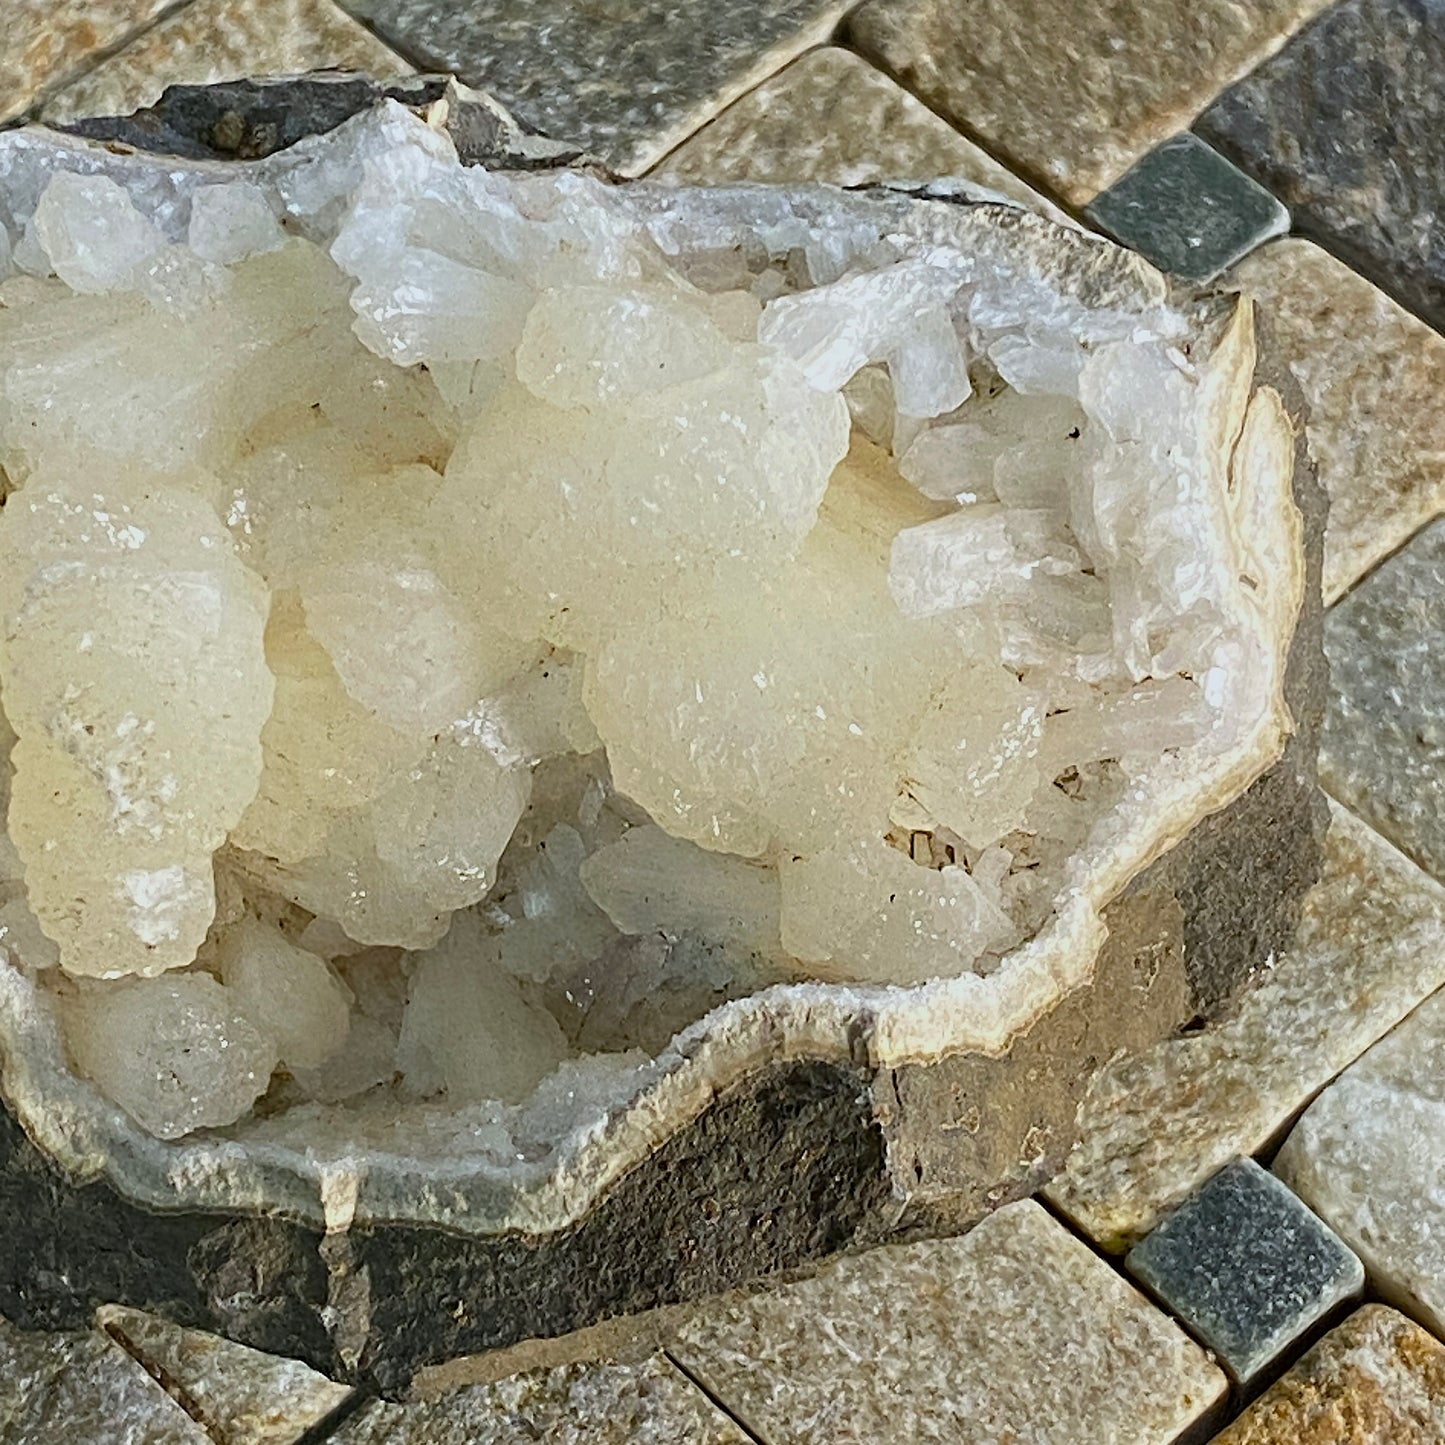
(1016, 1331)
(241, 1396)
(653, 1403)
(81, 1388)
(1376, 1380)
(1369, 1157)
(1347, 127)
(629, 79)
(832, 117)
(1383, 749)
(1072, 101)
(1246, 1267)
(221, 40)
(1370, 947)
(43, 41)
(1187, 209)
(1373, 376)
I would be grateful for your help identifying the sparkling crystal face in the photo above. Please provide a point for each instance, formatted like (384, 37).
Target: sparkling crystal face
(473, 633)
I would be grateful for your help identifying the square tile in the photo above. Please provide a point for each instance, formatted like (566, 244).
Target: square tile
(1072, 99)
(1369, 1156)
(1247, 1267)
(830, 116)
(1346, 125)
(1188, 210)
(1383, 749)
(214, 40)
(1376, 1380)
(627, 79)
(1373, 375)
(1156, 1125)
(1015, 1332)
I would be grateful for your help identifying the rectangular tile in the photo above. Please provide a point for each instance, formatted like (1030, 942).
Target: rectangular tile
(1369, 1157)
(43, 41)
(1370, 947)
(830, 116)
(1015, 1332)
(1383, 748)
(629, 79)
(1072, 100)
(1372, 375)
(1347, 126)
(213, 40)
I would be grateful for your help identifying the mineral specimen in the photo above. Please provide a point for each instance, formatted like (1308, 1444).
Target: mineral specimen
(459, 623)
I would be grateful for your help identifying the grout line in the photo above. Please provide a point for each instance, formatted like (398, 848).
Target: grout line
(334, 1419)
(756, 1436)
(173, 1387)
(94, 60)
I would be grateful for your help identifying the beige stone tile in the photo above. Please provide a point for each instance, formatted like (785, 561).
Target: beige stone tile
(80, 1388)
(43, 41)
(241, 1396)
(1373, 376)
(220, 40)
(1369, 1158)
(1072, 98)
(1016, 1331)
(651, 1403)
(1376, 1380)
(832, 117)
(1371, 946)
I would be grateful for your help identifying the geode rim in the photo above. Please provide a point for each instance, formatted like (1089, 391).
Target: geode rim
(876, 1027)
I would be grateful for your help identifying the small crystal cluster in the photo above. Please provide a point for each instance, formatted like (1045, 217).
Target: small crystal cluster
(472, 638)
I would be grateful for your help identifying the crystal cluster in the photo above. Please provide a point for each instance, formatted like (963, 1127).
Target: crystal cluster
(460, 635)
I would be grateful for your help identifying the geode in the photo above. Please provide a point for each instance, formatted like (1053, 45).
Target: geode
(572, 744)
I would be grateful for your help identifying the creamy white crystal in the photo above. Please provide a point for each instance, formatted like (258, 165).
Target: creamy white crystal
(490, 620)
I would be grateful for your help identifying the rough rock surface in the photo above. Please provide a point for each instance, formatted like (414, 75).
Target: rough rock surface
(1376, 1378)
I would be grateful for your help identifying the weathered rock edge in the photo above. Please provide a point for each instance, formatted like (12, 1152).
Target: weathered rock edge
(794, 1162)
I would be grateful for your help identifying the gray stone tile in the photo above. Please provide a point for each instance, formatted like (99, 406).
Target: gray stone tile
(1384, 740)
(830, 116)
(43, 41)
(593, 1404)
(1071, 98)
(1376, 1380)
(629, 79)
(1187, 209)
(1015, 1332)
(1369, 1157)
(240, 1396)
(80, 1388)
(1347, 126)
(213, 40)
(1156, 1126)
(1373, 376)
(1246, 1267)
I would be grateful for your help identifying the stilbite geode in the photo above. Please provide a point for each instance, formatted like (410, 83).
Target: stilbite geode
(574, 669)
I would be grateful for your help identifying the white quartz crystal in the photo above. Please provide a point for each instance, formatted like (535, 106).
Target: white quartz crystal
(455, 624)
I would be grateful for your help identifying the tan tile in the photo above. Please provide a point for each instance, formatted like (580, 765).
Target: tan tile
(1376, 1380)
(651, 1403)
(221, 40)
(832, 117)
(1371, 946)
(1369, 1158)
(1373, 376)
(1016, 1331)
(1073, 98)
(80, 1388)
(43, 41)
(241, 1396)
